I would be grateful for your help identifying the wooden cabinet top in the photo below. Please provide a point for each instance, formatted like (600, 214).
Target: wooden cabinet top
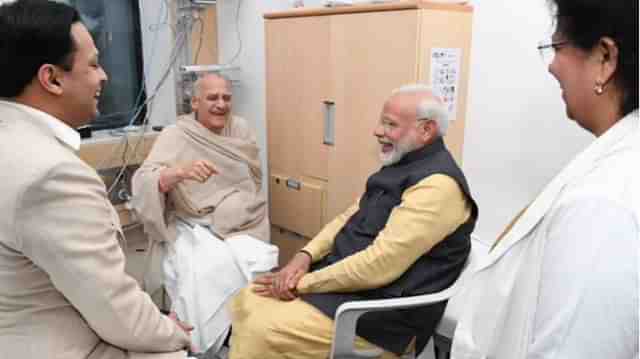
(390, 6)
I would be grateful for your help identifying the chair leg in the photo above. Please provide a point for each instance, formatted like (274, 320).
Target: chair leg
(440, 354)
(441, 347)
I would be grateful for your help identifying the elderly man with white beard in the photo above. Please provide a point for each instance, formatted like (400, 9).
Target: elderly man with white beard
(408, 234)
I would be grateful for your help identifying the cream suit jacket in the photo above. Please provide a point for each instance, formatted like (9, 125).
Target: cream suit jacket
(63, 289)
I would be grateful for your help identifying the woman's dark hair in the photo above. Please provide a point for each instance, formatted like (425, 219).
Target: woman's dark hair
(33, 33)
(585, 22)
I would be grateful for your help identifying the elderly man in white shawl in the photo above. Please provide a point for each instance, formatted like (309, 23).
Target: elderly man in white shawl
(199, 195)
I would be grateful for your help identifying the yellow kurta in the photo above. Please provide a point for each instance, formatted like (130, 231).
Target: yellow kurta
(268, 328)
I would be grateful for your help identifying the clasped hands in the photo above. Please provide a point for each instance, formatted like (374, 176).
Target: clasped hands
(283, 283)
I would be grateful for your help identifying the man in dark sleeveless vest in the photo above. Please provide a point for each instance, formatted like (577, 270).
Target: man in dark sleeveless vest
(408, 234)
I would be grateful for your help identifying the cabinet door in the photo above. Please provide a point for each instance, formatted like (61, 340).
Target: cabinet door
(298, 79)
(373, 54)
(288, 243)
(296, 205)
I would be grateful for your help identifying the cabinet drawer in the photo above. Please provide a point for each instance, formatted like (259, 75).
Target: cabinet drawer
(288, 244)
(296, 205)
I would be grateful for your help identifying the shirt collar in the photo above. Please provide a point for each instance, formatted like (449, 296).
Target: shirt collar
(611, 140)
(61, 130)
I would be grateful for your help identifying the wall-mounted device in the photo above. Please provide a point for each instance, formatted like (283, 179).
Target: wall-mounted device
(208, 68)
(203, 2)
(120, 192)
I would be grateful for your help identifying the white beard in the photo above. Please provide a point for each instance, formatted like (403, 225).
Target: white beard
(400, 149)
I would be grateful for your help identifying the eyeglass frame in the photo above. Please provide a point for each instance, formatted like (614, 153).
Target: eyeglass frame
(554, 46)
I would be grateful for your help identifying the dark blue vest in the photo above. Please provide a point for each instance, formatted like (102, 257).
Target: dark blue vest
(432, 272)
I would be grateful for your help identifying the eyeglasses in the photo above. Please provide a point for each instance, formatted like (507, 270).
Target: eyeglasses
(548, 50)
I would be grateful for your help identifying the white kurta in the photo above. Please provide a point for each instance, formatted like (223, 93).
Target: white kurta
(563, 283)
(203, 272)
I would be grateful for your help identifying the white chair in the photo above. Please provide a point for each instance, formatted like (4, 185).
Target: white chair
(348, 314)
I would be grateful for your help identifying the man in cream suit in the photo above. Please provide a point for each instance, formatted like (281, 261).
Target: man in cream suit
(63, 289)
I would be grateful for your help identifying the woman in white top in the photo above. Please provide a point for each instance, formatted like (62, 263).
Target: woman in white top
(563, 282)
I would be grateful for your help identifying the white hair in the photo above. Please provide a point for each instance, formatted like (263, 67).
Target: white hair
(428, 109)
(195, 91)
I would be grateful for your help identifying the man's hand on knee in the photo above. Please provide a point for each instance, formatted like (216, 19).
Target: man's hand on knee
(184, 326)
(263, 285)
(282, 284)
(267, 286)
(291, 274)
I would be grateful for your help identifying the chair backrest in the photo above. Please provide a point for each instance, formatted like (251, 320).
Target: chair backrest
(456, 303)
(348, 313)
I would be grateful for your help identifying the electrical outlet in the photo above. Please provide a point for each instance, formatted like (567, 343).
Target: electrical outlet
(120, 192)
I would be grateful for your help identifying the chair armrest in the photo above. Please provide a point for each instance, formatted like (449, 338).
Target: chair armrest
(345, 335)
(398, 303)
(348, 314)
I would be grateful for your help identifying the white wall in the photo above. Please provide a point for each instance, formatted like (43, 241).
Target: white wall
(249, 100)
(157, 43)
(517, 134)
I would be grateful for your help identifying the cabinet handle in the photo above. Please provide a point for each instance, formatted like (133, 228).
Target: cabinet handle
(329, 123)
(293, 184)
